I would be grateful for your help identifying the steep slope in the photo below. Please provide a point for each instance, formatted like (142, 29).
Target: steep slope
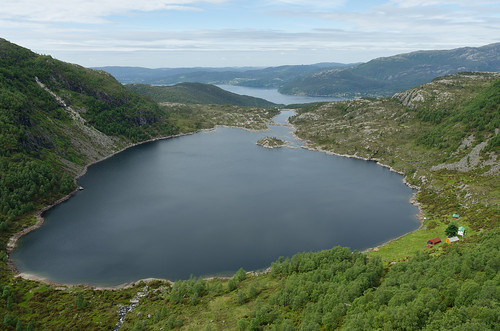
(385, 76)
(197, 93)
(56, 116)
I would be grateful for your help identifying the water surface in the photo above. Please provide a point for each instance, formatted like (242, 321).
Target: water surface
(273, 95)
(210, 203)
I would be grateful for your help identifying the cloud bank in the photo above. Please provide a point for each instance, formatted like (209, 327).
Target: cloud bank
(160, 33)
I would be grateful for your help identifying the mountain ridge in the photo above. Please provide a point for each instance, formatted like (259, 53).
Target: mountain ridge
(268, 77)
(197, 93)
(385, 76)
(381, 76)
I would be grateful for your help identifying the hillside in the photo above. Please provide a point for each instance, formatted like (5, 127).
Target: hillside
(197, 93)
(55, 118)
(388, 75)
(439, 134)
(272, 77)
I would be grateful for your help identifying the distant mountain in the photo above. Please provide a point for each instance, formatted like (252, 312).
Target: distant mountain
(197, 93)
(272, 77)
(164, 76)
(387, 75)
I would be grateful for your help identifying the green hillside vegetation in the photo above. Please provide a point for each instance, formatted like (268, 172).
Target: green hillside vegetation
(388, 75)
(338, 289)
(37, 136)
(195, 117)
(197, 93)
(56, 118)
(72, 116)
(480, 116)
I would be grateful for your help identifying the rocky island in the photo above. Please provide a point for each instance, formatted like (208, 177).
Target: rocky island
(271, 142)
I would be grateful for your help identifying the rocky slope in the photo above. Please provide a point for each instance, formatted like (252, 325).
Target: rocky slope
(444, 129)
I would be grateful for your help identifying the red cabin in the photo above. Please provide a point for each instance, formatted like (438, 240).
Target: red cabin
(434, 241)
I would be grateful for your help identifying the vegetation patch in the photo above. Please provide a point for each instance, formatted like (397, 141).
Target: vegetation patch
(271, 142)
(197, 93)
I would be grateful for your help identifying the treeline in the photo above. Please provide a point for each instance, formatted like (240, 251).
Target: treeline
(314, 291)
(108, 105)
(23, 183)
(341, 289)
(458, 291)
(319, 287)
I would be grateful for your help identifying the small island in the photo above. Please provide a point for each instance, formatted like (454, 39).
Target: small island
(271, 142)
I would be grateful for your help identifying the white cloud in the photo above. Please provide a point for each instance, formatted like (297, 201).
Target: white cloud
(318, 30)
(431, 23)
(459, 3)
(311, 3)
(89, 11)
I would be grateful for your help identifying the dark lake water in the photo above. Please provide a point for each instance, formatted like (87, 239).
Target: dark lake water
(210, 203)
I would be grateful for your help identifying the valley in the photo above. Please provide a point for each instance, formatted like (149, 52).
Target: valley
(443, 136)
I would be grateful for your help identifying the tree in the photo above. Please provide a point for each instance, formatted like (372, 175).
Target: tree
(242, 324)
(80, 302)
(240, 275)
(451, 230)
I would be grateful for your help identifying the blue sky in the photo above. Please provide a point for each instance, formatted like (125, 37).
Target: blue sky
(218, 33)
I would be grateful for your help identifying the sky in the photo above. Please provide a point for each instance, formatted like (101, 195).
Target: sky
(226, 33)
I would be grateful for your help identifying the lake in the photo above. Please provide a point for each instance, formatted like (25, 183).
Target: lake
(273, 95)
(209, 203)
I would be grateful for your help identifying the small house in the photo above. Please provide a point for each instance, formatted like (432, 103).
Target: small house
(456, 216)
(450, 240)
(434, 241)
(461, 231)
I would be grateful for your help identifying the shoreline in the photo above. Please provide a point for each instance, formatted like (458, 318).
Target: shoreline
(413, 199)
(40, 220)
(12, 243)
